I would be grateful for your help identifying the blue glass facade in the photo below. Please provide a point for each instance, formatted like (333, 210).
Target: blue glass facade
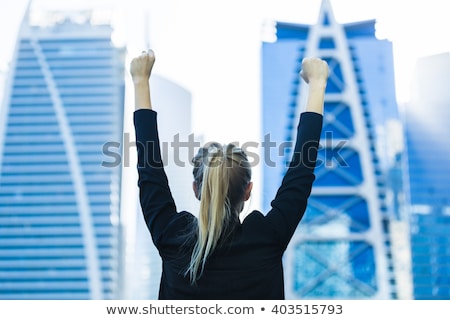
(427, 119)
(59, 206)
(339, 250)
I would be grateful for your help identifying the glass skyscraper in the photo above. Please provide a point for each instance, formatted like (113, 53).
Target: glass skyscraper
(427, 121)
(59, 194)
(343, 246)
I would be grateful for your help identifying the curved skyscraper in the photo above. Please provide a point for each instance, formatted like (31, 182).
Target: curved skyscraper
(59, 194)
(341, 248)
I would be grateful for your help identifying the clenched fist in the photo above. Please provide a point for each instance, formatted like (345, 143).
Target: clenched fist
(140, 69)
(141, 66)
(314, 70)
(315, 73)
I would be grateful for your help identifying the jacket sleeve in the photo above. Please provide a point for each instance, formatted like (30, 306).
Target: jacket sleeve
(156, 200)
(290, 201)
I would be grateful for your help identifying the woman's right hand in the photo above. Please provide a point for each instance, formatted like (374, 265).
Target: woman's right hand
(315, 73)
(314, 70)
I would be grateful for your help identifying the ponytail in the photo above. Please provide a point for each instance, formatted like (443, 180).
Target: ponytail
(221, 174)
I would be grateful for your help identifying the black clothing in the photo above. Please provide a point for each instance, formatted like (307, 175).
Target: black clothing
(248, 265)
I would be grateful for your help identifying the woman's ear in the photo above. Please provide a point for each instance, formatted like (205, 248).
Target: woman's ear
(248, 191)
(195, 188)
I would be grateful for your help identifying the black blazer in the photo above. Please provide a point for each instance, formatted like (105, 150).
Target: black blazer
(248, 263)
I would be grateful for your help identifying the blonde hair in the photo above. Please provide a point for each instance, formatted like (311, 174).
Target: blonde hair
(221, 174)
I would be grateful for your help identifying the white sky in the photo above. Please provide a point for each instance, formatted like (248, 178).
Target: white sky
(212, 47)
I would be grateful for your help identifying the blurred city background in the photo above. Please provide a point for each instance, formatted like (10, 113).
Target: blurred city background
(377, 224)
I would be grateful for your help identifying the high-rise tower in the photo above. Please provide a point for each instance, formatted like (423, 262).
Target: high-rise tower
(342, 247)
(427, 119)
(59, 198)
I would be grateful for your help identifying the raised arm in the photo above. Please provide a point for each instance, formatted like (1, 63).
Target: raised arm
(290, 201)
(156, 199)
(140, 69)
(315, 73)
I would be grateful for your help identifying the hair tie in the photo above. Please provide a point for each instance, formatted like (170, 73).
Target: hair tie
(213, 149)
